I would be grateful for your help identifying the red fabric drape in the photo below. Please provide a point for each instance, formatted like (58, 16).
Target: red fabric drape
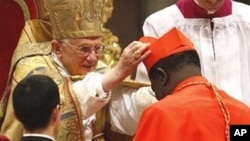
(32, 8)
(11, 24)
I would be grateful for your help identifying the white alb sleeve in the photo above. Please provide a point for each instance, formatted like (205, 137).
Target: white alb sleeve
(90, 94)
(126, 106)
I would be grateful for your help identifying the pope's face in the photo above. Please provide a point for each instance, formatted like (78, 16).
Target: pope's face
(79, 56)
(210, 5)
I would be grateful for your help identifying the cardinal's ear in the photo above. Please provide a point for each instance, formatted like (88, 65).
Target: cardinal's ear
(163, 76)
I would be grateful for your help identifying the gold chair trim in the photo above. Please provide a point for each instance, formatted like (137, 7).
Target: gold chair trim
(25, 9)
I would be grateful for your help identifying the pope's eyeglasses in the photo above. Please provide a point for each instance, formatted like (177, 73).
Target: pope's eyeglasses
(86, 50)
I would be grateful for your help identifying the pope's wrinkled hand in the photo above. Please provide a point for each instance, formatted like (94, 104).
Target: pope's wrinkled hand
(131, 56)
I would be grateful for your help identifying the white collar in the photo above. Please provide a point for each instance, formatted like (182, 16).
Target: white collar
(38, 135)
(61, 68)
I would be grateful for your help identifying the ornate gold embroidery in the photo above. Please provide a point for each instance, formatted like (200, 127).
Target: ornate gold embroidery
(112, 50)
(75, 19)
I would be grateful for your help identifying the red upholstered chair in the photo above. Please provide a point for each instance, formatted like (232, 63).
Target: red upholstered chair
(4, 138)
(13, 14)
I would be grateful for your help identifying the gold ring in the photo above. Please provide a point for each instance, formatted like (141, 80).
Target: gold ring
(137, 54)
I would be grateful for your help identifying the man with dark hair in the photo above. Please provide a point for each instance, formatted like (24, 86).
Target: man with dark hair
(190, 107)
(36, 104)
